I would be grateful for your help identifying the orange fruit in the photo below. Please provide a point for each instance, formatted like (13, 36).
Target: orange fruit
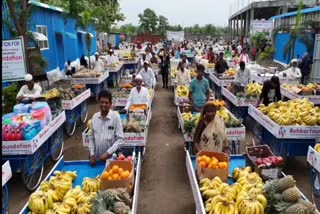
(115, 168)
(115, 177)
(123, 175)
(223, 165)
(127, 173)
(203, 164)
(207, 160)
(199, 159)
(120, 170)
(105, 175)
(214, 158)
(214, 162)
(110, 178)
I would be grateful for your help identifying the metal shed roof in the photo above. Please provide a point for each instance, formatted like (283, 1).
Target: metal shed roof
(39, 4)
(308, 10)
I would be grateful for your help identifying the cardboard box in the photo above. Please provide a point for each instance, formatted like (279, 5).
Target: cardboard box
(123, 183)
(211, 173)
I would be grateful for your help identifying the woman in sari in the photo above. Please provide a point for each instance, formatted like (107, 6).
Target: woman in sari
(210, 133)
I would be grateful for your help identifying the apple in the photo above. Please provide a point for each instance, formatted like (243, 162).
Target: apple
(259, 161)
(121, 157)
(279, 160)
(129, 158)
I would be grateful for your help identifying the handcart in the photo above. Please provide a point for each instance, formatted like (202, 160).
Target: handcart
(315, 99)
(131, 64)
(75, 109)
(235, 161)
(6, 175)
(218, 83)
(96, 84)
(28, 157)
(313, 159)
(287, 141)
(115, 74)
(84, 169)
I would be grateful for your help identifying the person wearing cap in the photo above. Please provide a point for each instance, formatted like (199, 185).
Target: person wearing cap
(138, 94)
(141, 60)
(293, 71)
(243, 75)
(111, 58)
(147, 75)
(29, 91)
(97, 64)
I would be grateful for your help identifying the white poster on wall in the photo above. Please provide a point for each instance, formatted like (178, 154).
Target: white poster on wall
(13, 60)
(261, 26)
(176, 36)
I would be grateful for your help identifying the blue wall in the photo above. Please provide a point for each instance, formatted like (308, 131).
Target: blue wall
(69, 47)
(280, 42)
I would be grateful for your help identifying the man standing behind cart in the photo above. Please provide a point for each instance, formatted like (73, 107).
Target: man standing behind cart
(199, 89)
(29, 91)
(138, 94)
(148, 76)
(97, 63)
(107, 133)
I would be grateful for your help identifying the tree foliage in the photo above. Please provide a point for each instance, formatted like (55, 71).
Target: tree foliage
(148, 21)
(163, 24)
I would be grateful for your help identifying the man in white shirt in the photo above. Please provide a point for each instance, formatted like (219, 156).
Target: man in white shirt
(29, 91)
(138, 94)
(244, 56)
(293, 71)
(97, 64)
(239, 48)
(242, 75)
(147, 75)
(111, 58)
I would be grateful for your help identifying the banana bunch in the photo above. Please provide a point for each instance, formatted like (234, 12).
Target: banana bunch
(91, 184)
(210, 65)
(317, 147)
(173, 72)
(253, 90)
(68, 175)
(251, 203)
(192, 73)
(187, 116)
(240, 172)
(231, 72)
(223, 114)
(51, 93)
(40, 201)
(299, 112)
(221, 204)
(182, 91)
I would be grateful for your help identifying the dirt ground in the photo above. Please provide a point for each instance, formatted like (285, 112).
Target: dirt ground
(164, 184)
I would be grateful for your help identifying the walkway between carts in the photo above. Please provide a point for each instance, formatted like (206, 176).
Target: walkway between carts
(164, 184)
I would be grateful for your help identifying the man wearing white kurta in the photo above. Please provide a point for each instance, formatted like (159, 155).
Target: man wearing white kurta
(111, 58)
(138, 94)
(293, 71)
(147, 75)
(97, 63)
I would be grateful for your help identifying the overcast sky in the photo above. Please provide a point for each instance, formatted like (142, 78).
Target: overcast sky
(183, 12)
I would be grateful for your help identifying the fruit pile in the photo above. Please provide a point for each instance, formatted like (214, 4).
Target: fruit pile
(317, 147)
(126, 85)
(253, 90)
(299, 112)
(124, 158)
(52, 93)
(210, 65)
(128, 56)
(219, 103)
(269, 161)
(58, 196)
(229, 74)
(243, 196)
(308, 87)
(229, 120)
(138, 107)
(284, 197)
(206, 162)
(173, 72)
(192, 73)
(182, 91)
(120, 94)
(116, 173)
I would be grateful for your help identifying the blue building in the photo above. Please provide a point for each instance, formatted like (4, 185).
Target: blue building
(57, 35)
(282, 38)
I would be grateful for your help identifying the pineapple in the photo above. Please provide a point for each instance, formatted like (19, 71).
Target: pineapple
(291, 195)
(297, 209)
(285, 183)
(310, 206)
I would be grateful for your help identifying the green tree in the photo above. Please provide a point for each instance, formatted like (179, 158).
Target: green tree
(148, 20)
(163, 24)
(85, 22)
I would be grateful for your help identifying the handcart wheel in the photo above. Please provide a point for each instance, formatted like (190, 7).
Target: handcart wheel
(5, 199)
(71, 123)
(32, 171)
(56, 145)
(84, 112)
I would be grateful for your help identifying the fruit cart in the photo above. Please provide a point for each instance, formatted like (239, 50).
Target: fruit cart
(115, 73)
(75, 109)
(238, 105)
(313, 159)
(218, 83)
(261, 78)
(235, 162)
(28, 157)
(6, 175)
(292, 95)
(130, 64)
(234, 134)
(96, 84)
(83, 169)
(121, 100)
(286, 141)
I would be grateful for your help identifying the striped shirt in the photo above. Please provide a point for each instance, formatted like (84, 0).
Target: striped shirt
(106, 134)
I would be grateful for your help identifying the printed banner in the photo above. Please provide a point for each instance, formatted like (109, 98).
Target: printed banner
(13, 60)
(176, 36)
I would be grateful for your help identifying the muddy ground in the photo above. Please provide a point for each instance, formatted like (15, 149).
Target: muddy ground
(164, 184)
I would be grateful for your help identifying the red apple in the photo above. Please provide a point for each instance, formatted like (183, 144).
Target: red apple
(259, 161)
(121, 157)
(279, 160)
(129, 158)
